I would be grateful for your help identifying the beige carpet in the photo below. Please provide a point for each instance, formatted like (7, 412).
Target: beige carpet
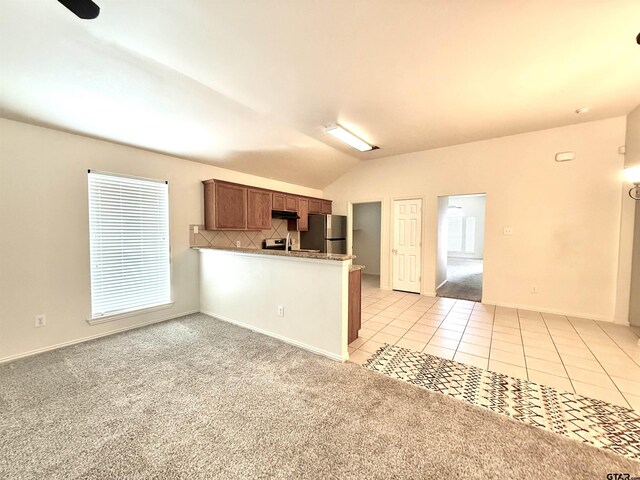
(198, 398)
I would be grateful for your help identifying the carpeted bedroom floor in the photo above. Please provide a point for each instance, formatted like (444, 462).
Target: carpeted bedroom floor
(199, 398)
(464, 279)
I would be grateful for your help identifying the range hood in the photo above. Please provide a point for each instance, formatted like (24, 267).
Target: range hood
(284, 215)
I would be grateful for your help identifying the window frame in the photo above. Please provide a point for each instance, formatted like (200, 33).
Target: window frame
(116, 315)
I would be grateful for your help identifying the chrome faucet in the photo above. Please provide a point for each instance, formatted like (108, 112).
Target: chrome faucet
(287, 245)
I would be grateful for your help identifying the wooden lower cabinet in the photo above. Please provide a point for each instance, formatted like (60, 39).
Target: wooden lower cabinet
(355, 303)
(258, 209)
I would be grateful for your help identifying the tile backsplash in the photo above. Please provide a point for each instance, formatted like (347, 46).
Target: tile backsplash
(228, 238)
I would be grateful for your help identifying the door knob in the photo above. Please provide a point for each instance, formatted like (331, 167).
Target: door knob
(395, 251)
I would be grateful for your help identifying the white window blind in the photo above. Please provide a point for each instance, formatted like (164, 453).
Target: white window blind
(129, 242)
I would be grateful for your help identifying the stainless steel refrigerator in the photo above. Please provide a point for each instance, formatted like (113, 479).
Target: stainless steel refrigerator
(327, 233)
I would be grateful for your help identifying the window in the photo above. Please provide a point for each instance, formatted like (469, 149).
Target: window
(456, 228)
(129, 244)
(470, 235)
(462, 235)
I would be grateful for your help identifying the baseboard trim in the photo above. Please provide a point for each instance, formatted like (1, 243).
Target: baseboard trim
(37, 351)
(624, 323)
(551, 311)
(282, 338)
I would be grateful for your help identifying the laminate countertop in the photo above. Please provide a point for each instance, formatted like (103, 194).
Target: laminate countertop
(281, 253)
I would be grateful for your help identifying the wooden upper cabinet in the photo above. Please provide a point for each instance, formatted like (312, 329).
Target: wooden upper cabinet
(315, 205)
(258, 209)
(303, 213)
(291, 203)
(231, 206)
(301, 224)
(278, 201)
(225, 206)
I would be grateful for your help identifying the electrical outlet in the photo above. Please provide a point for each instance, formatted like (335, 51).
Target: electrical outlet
(196, 229)
(41, 320)
(238, 244)
(280, 310)
(508, 231)
(534, 289)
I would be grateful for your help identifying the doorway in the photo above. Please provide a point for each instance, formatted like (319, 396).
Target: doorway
(366, 238)
(407, 245)
(460, 263)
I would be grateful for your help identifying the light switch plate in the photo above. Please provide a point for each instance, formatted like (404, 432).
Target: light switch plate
(196, 229)
(565, 156)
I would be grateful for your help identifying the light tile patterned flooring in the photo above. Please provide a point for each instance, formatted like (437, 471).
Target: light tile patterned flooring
(595, 359)
(592, 421)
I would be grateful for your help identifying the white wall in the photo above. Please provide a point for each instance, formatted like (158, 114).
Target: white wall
(472, 206)
(634, 294)
(246, 289)
(443, 242)
(366, 236)
(632, 213)
(565, 216)
(44, 244)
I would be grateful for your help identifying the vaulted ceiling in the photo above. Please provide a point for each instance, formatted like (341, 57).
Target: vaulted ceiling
(249, 85)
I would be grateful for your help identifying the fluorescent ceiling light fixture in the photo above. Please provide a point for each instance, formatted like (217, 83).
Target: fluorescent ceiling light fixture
(349, 138)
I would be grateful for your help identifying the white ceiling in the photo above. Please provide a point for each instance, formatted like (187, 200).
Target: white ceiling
(249, 85)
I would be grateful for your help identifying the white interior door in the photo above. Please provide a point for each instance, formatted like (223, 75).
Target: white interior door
(407, 244)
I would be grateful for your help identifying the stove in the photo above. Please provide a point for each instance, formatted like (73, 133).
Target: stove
(274, 244)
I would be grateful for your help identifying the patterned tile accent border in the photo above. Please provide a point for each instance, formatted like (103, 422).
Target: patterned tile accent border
(588, 420)
(228, 238)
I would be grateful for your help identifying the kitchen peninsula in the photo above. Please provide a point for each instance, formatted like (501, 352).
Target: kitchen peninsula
(299, 297)
(305, 298)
